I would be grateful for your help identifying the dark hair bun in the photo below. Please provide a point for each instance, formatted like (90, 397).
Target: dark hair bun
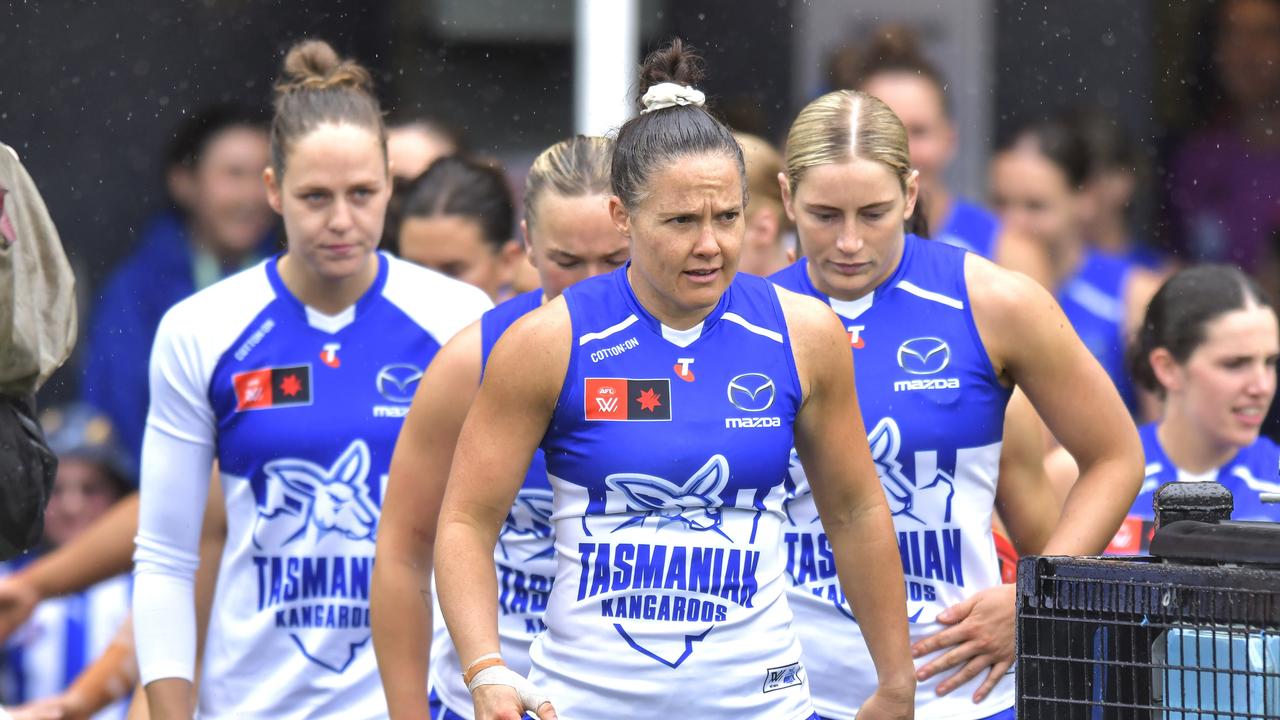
(314, 65)
(676, 63)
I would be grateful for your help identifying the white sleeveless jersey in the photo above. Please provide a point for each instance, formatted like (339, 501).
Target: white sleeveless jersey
(934, 413)
(302, 411)
(667, 455)
(524, 556)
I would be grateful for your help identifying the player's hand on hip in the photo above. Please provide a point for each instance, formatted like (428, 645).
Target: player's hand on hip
(18, 598)
(980, 637)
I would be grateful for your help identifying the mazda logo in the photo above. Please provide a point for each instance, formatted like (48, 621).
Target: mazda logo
(398, 383)
(924, 356)
(751, 392)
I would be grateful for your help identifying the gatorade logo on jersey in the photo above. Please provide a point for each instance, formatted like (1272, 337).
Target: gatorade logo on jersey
(272, 387)
(625, 399)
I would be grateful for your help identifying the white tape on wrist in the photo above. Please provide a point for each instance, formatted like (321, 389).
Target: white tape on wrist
(531, 697)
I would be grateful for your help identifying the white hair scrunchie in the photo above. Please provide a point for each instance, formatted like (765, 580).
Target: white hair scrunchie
(665, 95)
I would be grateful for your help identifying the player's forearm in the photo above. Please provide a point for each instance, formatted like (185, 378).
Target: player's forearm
(1097, 504)
(169, 699)
(400, 611)
(870, 571)
(103, 551)
(111, 676)
(467, 585)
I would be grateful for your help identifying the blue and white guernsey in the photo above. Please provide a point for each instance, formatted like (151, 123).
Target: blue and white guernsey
(1250, 473)
(970, 227)
(302, 411)
(667, 454)
(63, 637)
(934, 411)
(524, 555)
(1093, 299)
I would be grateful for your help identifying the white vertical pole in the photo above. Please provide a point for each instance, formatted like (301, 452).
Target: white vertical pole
(606, 46)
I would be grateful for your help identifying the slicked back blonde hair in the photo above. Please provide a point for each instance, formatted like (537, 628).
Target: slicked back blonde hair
(844, 125)
(577, 167)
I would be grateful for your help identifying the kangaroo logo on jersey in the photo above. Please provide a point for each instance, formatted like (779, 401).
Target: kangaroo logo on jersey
(924, 356)
(624, 399)
(906, 498)
(528, 526)
(695, 504)
(311, 577)
(307, 501)
(752, 392)
(398, 382)
(272, 387)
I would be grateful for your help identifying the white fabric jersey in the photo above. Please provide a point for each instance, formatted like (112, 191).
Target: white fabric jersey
(524, 556)
(302, 411)
(63, 637)
(668, 455)
(934, 412)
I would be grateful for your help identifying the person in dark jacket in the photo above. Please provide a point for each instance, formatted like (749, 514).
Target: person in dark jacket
(220, 224)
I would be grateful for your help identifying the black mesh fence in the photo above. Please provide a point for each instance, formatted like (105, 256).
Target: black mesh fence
(1142, 638)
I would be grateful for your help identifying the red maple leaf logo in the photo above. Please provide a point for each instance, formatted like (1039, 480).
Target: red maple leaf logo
(290, 385)
(648, 400)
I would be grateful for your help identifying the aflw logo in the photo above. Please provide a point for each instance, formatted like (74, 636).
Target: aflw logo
(607, 405)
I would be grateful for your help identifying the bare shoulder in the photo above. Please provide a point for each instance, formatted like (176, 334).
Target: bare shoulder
(818, 340)
(809, 321)
(455, 369)
(534, 351)
(1001, 292)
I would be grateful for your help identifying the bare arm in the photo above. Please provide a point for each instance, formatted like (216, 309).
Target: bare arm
(505, 425)
(400, 600)
(1032, 344)
(832, 443)
(1024, 497)
(102, 551)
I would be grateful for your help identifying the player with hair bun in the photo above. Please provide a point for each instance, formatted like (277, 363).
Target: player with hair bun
(666, 397)
(293, 375)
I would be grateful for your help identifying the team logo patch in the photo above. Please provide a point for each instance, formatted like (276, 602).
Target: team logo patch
(529, 521)
(622, 399)
(783, 677)
(314, 538)
(272, 387)
(694, 504)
